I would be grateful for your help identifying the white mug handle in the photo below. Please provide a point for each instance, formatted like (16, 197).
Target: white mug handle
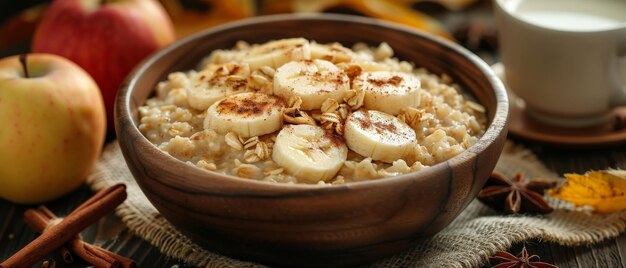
(619, 75)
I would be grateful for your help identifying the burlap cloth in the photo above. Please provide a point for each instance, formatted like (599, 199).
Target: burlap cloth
(476, 234)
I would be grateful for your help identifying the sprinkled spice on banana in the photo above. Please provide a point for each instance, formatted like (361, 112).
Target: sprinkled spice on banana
(297, 111)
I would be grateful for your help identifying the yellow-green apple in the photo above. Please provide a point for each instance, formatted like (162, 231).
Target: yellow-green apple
(52, 127)
(105, 37)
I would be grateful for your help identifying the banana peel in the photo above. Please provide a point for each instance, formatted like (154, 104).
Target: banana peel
(187, 21)
(398, 11)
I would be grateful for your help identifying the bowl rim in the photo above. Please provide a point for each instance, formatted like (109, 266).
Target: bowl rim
(123, 103)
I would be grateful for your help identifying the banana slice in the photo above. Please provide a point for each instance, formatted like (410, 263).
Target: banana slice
(388, 92)
(372, 66)
(378, 135)
(334, 52)
(309, 152)
(313, 81)
(278, 52)
(247, 114)
(215, 82)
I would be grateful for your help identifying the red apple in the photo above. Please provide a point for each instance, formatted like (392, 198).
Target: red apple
(52, 126)
(106, 37)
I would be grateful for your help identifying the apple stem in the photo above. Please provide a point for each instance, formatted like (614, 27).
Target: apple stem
(24, 65)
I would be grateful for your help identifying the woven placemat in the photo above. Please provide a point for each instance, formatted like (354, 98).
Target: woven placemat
(476, 234)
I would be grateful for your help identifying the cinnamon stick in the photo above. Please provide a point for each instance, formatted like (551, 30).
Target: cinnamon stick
(38, 220)
(65, 253)
(94, 255)
(57, 235)
(39, 223)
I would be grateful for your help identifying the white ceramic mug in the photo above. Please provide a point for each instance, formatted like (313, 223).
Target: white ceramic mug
(565, 58)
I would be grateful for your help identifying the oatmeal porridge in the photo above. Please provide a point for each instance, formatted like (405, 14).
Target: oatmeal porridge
(297, 111)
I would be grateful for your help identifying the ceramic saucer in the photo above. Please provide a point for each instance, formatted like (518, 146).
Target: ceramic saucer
(525, 127)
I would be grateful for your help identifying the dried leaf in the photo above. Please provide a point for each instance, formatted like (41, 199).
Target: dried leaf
(604, 191)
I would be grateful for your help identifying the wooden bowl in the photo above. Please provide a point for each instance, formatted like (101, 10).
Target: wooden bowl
(308, 225)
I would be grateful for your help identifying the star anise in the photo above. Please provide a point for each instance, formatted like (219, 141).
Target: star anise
(514, 196)
(504, 259)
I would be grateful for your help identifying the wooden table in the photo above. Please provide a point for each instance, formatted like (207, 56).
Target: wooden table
(610, 253)
(111, 234)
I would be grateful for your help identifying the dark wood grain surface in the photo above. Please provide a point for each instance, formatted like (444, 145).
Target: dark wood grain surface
(111, 234)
